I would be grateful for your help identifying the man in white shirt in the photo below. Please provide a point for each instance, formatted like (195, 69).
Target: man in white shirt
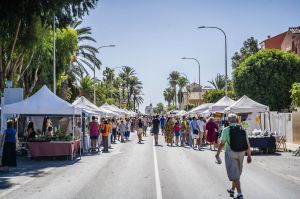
(201, 125)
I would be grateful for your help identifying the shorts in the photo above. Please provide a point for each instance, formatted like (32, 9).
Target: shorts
(140, 131)
(234, 164)
(155, 131)
(177, 133)
(195, 136)
(201, 134)
(162, 126)
(94, 137)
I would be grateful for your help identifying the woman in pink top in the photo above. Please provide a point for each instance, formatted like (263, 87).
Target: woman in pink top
(211, 128)
(94, 133)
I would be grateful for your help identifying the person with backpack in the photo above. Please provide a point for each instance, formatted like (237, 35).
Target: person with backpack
(236, 143)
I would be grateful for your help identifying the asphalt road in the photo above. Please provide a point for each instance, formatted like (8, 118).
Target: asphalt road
(137, 171)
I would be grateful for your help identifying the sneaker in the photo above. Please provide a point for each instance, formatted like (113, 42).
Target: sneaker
(239, 197)
(231, 192)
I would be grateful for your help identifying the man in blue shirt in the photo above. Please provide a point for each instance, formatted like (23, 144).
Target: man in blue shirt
(162, 124)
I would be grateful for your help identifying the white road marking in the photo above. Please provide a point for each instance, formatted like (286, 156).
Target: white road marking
(157, 180)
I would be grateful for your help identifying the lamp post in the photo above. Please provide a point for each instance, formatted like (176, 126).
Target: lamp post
(95, 72)
(198, 71)
(226, 76)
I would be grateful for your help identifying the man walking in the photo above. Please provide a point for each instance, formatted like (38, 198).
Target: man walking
(162, 124)
(236, 142)
(155, 129)
(105, 134)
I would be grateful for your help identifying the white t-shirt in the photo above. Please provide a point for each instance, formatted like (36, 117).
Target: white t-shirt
(201, 125)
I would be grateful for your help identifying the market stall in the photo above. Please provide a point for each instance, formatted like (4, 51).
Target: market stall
(114, 109)
(199, 109)
(46, 103)
(259, 138)
(89, 109)
(221, 105)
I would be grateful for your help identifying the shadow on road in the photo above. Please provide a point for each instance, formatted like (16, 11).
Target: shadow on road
(31, 168)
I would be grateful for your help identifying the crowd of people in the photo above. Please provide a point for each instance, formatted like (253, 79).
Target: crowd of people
(195, 132)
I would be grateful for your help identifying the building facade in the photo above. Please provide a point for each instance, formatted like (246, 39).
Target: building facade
(149, 110)
(195, 95)
(288, 41)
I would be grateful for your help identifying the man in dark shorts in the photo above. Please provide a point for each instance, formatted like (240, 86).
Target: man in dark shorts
(155, 128)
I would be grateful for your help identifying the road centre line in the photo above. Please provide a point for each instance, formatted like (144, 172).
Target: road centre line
(157, 179)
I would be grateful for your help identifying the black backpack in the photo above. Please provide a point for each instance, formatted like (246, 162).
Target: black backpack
(238, 139)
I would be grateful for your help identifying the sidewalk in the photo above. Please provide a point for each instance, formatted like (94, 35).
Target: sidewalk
(292, 146)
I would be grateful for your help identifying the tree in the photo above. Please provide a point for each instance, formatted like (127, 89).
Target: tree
(173, 80)
(213, 96)
(21, 23)
(169, 95)
(219, 82)
(295, 95)
(86, 87)
(126, 75)
(86, 54)
(250, 46)
(160, 108)
(182, 83)
(267, 77)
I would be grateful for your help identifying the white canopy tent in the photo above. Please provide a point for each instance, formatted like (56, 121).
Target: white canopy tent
(181, 113)
(247, 105)
(91, 109)
(113, 108)
(220, 105)
(43, 102)
(201, 108)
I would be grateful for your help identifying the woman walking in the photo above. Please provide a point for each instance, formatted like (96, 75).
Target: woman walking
(212, 129)
(177, 132)
(184, 130)
(140, 131)
(169, 131)
(9, 157)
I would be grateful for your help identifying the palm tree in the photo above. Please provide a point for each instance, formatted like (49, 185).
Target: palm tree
(86, 55)
(182, 83)
(86, 87)
(137, 97)
(169, 95)
(219, 82)
(173, 80)
(126, 74)
(109, 75)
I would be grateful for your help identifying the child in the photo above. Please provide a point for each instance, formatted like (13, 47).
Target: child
(177, 132)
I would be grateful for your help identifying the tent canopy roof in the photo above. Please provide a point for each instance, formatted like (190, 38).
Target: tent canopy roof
(247, 105)
(91, 108)
(220, 105)
(200, 108)
(43, 102)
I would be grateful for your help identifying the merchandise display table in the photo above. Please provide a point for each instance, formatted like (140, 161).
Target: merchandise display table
(266, 144)
(54, 148)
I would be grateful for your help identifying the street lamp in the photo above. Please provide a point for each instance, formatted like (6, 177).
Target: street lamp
(226, 76)
(198, 71)
(95, 71)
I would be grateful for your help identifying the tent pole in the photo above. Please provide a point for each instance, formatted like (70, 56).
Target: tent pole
(270, 121)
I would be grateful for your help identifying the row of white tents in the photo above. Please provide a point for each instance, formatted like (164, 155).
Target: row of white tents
(44, 102)
(227, 105)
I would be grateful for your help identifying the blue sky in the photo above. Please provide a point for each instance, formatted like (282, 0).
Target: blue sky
(152, 35)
